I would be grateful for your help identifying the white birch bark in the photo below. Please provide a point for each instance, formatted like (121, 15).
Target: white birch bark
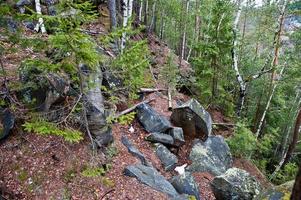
(140, 11)
(127, 13)
(40, 24)
(241, 82)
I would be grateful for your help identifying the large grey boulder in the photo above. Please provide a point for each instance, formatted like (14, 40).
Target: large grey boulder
(212, 156)
(151, 177)
(41, 90)
(168, 159)
(161, 138)
(185, 184)
(235, 184)
(151, 120)
(134, 151)
(279, 192)
(193, 118)
(177, 134)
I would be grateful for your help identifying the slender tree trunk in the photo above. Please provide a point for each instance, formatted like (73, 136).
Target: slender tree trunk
(113, 16)
(296, 193)
(268, 104)
(40, 24)
(295, 138)
(145, 12)
(277, 41)
(152, 24)
(241, 82)
(162, 25)
(183, 45)
(140, 11)
(127, 13)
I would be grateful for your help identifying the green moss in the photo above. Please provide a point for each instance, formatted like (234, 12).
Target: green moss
(108, 182)
(89, 171)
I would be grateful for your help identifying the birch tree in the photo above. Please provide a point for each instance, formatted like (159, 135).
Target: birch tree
(241, 82)
(127, 13)
(40, 25)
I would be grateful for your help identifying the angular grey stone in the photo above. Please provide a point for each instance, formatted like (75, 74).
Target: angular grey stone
(133, 150)
(168, 159)
(193, 118)
(212, 156)
(161, 138)
(277, 192)
(185, 184)
(22, 3)
(177, 134)
(235, 184)
(151, 177)
(151, 120)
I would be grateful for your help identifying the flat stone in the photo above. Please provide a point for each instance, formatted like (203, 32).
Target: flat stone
(177, 134)
(151, 120)
(185, 184)
(134, 151)
(161, 138)
(168, 159)
(151, 177)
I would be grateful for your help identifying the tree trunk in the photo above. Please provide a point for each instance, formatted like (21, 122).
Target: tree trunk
(296, 193)
(113, 16)
(294, 141)
(268, 105)
(145, 12)
(127, 13)
(40, 24)
(152, 24)
(273, 85)
(183, 45)
(140, 11)
(241, 82)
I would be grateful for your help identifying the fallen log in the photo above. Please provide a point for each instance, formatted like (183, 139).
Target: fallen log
(133, 108)
(150, 90)
(223, 124)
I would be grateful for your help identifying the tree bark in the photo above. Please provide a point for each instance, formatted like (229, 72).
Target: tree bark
(113, 16)
(183, 42)
(127, 13)
(294, 141)
(268, 105)
(296, 194)
(40, 24)
(240, 80)
(273, 85)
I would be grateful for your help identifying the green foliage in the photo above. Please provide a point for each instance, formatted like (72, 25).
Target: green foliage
(89, 171)
(47, 128)
(132, 64)
(111, 151)
(243, 142)
(126, 119)
(287, 174)
(170, 72)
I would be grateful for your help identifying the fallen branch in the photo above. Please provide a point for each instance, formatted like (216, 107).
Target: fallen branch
(105, 194)
(150, 90)
(223, 124)
(132, 108)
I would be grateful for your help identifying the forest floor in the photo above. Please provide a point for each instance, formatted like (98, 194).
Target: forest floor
(39, 167)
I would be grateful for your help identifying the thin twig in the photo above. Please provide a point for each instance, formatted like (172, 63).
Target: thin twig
(105, 194)
(71, 111)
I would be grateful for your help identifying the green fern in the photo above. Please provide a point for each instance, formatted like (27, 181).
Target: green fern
(42, 127)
